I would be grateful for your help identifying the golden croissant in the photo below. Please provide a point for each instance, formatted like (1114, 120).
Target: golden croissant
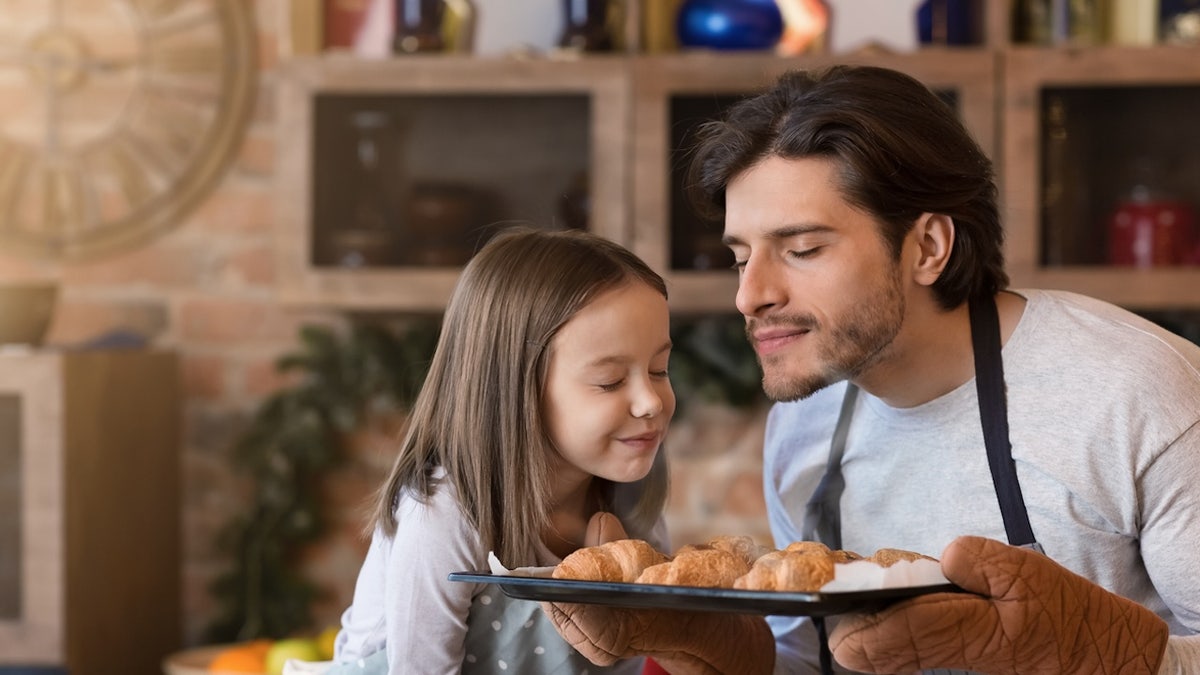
(795, 571)
(886, 557)
(743, 547)
(707, 567)
(620, 561)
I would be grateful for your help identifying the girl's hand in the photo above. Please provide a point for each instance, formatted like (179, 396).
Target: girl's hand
(603, 528)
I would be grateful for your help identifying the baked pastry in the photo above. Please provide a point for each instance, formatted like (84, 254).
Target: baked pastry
(816, 547)
(843, 556)
(743, 547)
(886, 557)
(795, 571)
(620, 561)
(723, 562)
(698, 566)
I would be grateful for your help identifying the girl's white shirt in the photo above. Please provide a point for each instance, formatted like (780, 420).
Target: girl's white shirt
(404, 602)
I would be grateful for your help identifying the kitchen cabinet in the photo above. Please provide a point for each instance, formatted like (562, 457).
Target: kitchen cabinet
(89, 511)
(608, 132)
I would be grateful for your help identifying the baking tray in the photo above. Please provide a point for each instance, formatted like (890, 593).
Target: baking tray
(696, 598)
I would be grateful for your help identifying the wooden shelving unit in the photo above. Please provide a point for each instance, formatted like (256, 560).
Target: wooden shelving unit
(999, 88)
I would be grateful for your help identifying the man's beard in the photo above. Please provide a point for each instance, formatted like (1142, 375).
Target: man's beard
(854, 342)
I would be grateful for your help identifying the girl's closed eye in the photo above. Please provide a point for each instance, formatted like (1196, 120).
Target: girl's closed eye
(661, 367)
(611, 386)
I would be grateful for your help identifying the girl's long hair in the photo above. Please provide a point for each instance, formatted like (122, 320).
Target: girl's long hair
(479, 415)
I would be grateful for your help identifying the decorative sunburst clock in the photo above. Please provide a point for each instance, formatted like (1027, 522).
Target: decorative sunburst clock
(116, 117)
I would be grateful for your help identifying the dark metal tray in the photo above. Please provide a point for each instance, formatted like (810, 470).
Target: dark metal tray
(695, 598)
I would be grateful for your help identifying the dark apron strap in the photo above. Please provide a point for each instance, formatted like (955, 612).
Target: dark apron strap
(822, 517)
(822, 514)
(993, 414)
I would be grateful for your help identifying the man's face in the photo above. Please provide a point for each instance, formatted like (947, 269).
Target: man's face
(822, 295)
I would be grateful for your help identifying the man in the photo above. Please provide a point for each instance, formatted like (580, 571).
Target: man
(1045, 446)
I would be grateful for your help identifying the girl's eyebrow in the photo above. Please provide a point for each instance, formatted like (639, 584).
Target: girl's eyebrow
(605, 360)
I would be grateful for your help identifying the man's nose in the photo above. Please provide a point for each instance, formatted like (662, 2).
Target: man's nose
(758, 288)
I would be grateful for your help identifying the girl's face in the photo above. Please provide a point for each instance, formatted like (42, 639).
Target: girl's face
(607, 397)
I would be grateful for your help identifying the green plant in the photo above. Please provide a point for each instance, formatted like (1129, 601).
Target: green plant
(294, 437)
(713, 362)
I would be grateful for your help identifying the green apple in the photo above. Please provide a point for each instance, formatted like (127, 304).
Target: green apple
(303, 649)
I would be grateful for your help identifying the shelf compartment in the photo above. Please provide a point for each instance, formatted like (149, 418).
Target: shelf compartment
(1084, 128)
(464, 146)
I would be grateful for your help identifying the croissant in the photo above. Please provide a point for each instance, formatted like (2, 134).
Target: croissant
(620, 561)
(698, 566)
(812, 547)
(886, 557)
(816, 547)
(743, 547)
(785, 570)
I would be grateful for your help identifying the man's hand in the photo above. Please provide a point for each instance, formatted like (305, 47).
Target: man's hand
(681, 642)
(1030, 616)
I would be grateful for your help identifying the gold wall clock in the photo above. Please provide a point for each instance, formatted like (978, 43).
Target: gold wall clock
(116, 117)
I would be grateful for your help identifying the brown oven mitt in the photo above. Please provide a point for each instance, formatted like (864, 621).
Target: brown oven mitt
(679, 641)
(1031, 616)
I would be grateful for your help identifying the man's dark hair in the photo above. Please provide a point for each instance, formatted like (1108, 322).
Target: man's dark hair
(900, 150)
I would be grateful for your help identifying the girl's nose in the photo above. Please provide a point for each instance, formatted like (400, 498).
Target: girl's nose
(647, 403)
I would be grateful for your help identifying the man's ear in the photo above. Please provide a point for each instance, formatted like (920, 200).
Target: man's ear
(934, 238)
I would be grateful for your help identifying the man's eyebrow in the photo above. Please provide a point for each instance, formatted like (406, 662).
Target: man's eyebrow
(782, 232)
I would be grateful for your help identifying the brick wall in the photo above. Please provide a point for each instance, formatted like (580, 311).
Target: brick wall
(205, 289)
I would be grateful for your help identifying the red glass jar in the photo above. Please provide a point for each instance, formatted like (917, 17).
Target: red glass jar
(1151, 233)
(1152, 226)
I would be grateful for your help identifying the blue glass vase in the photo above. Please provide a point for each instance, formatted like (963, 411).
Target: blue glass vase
(729, 24)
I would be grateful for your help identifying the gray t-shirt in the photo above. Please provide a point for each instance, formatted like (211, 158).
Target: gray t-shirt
(1103, 412)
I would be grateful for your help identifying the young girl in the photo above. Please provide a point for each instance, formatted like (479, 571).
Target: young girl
(546, 402)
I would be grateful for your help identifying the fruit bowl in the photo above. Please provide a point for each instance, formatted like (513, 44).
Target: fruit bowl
(254, 657)
(25, 311)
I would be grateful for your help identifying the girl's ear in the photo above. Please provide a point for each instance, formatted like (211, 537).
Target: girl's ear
(934, 237)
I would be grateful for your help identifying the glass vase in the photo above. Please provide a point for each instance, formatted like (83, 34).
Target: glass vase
(729, 24)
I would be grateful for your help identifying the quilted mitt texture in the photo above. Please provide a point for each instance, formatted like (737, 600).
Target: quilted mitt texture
(1031, 616)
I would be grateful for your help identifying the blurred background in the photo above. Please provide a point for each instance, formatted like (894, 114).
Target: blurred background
(227, 230)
